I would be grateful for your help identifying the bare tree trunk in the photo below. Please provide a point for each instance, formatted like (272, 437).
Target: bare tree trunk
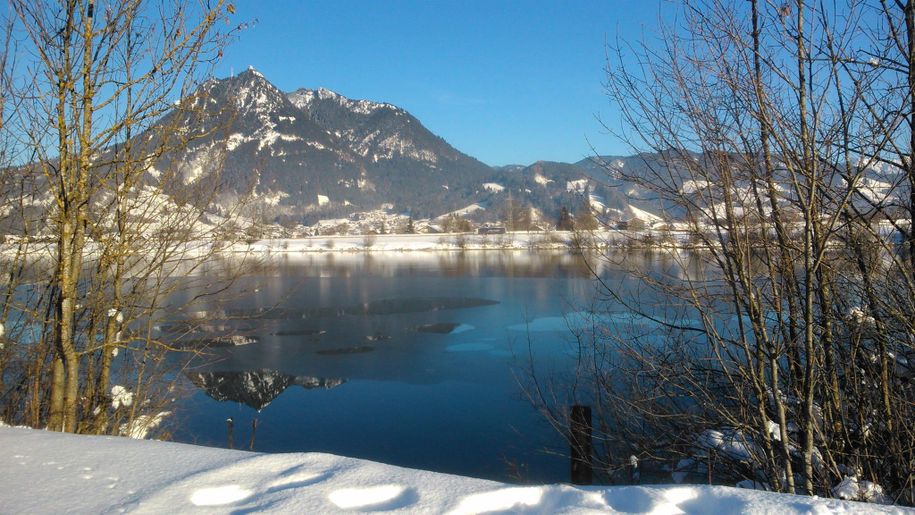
(909, 163)
(58, 385)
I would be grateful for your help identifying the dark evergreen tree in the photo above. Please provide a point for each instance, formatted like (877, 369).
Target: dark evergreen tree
(565, 220)
(508, 212)
(584, 219)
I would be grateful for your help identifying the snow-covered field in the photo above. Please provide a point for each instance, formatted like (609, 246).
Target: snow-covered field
(520, 240)
(44, 472)
(411, 242)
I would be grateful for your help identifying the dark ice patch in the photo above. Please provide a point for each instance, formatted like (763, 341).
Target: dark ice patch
(342, 351)
(439, 328)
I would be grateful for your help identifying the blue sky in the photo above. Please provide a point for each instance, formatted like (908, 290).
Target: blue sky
(504, 81)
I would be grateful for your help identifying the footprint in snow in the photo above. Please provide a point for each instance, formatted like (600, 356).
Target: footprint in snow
(385, 497)
(219, 495)
(297, 480)
(505, 499)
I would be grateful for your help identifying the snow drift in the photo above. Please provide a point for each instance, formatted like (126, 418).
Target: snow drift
(46, 472)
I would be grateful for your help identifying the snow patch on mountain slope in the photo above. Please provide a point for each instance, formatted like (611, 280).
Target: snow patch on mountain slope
(234, 140)
(577, 186)
(387, 148)
(199, 162)
(265, 136)
(493, 187)
(693, 186)
(273, 198)
(304, 98)
(874, 190)
(269, 137)
(541, 180)
(641, 214)
(464, 211)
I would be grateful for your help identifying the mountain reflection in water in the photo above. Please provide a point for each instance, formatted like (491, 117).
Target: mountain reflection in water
(255, 388)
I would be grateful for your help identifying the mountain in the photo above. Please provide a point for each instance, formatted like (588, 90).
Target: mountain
(318, 158)
(265, 145)
(314, 154)
(405, 163)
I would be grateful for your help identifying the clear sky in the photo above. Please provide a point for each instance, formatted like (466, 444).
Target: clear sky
(508, 82)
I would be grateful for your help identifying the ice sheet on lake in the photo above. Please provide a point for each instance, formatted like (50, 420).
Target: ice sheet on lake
(373, 307)
(462, 328)
(584, 320)
(469, 347)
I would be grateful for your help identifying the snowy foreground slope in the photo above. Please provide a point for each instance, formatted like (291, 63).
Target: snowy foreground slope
(44, 472)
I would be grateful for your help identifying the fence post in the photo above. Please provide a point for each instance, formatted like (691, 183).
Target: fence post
(634, 475)
(711, 464)
(253, 434)
(580, 444)
(229, 433)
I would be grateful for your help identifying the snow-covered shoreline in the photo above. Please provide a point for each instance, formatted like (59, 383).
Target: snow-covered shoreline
(45, 472)
(450, 242)
(425, 242)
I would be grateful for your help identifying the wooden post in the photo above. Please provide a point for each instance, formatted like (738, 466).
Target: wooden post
(231, 437)
(711, 463)
(580, 445)
(253, 434)
(634, 475)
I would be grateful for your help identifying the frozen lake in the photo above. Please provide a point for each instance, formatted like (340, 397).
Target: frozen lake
(413, 359)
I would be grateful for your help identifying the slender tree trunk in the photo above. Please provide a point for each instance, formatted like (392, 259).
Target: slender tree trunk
(909, 163)
(810, 208)
(58, 379)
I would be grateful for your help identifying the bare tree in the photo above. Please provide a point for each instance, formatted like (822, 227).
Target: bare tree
(97, 127)
(781, 346)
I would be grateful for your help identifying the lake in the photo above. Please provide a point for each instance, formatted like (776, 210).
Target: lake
(412, 359)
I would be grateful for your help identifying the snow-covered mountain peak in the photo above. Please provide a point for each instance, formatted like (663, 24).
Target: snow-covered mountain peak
(315, 154)
(250, 90)
(326, 94)
(251, 76)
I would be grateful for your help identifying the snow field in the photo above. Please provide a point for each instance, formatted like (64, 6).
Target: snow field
(45, 472)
